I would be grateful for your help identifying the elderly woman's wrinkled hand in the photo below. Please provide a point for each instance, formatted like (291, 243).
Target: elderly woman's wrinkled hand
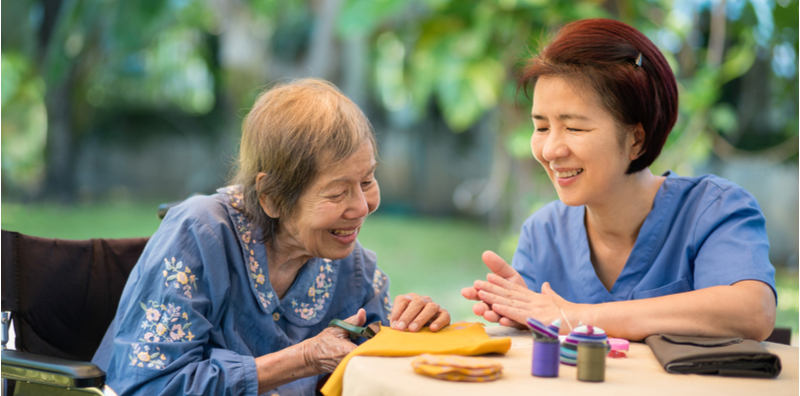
(412, 312)
(323, 352)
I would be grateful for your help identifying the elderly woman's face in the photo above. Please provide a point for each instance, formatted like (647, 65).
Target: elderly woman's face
(329, 214)
(576, 141)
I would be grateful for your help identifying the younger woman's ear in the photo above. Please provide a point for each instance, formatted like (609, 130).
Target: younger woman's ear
(266, 204)
(637, 145)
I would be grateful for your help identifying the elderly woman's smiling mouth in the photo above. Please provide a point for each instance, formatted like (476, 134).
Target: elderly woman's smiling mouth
(346, 235)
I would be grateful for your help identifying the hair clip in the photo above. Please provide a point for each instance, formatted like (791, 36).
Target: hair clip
(639, 60)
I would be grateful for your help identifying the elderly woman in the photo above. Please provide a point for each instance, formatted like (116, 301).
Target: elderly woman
(625, 250)
(234, 292)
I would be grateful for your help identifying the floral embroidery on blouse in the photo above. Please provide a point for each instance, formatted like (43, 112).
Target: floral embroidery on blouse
(184, 279)
(245, 230)
(141, 356)
(165, 323)
(378, 281)
(318, 293)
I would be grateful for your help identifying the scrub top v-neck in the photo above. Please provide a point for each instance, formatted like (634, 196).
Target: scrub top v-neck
(701, 232)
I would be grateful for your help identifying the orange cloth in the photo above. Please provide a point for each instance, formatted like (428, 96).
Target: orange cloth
(462, 338)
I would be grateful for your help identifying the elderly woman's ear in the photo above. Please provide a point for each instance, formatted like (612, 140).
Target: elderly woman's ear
(266, 203)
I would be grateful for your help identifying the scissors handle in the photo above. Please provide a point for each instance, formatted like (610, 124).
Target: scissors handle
(355, 331)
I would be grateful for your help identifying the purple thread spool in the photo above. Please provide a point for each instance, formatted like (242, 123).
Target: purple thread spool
(545, 357)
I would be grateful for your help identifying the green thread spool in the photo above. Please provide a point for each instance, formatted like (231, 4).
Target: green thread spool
(591, 362)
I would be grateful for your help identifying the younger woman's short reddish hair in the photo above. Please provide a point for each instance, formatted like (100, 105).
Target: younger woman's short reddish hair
(605, 54)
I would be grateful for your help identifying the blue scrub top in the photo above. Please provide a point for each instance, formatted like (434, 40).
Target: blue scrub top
(702, 231)
(198, 307)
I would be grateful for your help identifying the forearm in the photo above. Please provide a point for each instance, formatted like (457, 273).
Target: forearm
(282, 367)
(745, 309)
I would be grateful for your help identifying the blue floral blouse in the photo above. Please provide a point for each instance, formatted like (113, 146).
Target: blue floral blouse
(198, 306)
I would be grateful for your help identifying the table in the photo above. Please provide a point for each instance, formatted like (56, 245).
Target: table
(638, 374)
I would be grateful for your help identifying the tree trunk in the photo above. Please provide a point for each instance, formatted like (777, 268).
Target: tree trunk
(320, 61)
(58, 74)
(59, 153)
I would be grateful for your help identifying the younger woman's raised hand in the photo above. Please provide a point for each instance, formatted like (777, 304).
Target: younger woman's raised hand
(514, 303)
(501, 269)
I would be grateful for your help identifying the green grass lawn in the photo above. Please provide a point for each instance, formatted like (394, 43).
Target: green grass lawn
(107, 220)
(429, 256)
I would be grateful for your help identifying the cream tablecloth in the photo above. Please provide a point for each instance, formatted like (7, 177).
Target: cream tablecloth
(638, 374)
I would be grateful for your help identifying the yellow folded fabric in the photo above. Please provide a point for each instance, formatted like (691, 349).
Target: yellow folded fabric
(462, 338)
(457, 368)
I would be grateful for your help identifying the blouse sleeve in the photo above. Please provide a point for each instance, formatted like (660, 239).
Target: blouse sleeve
(731, 242)
(168, 339)
(378, 303)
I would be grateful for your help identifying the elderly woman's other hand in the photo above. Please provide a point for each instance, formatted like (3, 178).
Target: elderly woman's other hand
(413, 312)
(323, 352)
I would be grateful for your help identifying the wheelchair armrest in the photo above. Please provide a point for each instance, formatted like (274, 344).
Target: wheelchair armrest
(165, 207)
(25, 366)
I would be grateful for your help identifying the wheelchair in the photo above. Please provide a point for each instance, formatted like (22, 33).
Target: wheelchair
(61, 295)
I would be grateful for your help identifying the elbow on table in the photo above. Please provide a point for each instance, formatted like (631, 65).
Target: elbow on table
(760, 326)
(744, 309)
(757, 319)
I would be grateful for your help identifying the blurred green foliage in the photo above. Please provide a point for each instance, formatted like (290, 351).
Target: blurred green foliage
(458, 58)
(24, 127)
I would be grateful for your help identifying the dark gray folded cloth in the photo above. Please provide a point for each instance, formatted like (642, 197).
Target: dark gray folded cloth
(733, 357)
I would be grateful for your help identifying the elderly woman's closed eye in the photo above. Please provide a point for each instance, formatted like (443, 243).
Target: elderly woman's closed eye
(273, 259)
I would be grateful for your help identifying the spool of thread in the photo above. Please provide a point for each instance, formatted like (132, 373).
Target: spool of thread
(569, 348)
(545, 357)
(544, 331)
(591, 362)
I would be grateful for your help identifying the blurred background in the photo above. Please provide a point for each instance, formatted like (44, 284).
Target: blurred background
(110, 107)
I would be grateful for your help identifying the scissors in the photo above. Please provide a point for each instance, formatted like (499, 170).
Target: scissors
(367, 332)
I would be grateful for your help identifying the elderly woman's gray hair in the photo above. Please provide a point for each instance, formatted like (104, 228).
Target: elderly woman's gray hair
(292, 130)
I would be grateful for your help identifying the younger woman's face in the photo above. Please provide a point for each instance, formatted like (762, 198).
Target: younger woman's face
(577, 142)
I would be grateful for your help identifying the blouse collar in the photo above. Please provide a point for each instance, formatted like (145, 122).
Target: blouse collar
(309, 297)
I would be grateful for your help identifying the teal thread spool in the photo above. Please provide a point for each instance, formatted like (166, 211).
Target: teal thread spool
(591, 362)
